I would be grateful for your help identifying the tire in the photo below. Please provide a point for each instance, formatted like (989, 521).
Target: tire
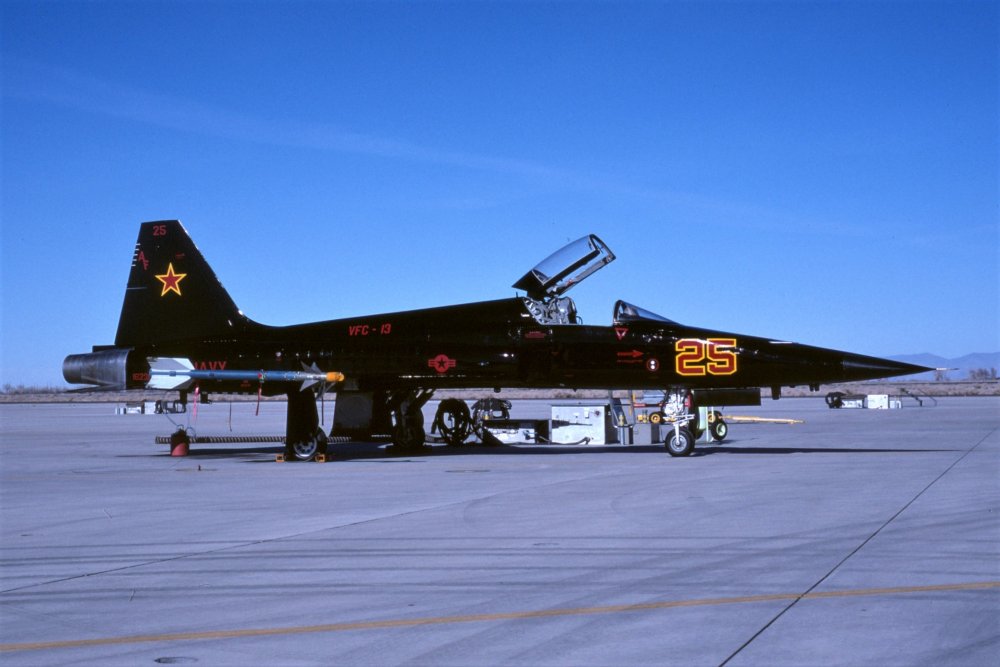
(680, 442)
(306, 450)
(410, 437)
(655, 418)
(719, 429)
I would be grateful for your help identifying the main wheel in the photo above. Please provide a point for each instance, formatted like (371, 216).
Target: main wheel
(306, 450)
(680, 442)
(409, 436)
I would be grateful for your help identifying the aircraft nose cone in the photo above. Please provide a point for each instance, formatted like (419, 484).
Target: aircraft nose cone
(859, 367)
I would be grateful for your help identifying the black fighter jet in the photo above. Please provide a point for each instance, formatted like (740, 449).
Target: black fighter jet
(180, 330)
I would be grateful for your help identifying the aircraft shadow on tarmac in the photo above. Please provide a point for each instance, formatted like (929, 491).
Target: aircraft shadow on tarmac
(357, 450)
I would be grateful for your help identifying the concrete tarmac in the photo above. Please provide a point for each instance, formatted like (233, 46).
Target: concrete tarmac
(859, 537)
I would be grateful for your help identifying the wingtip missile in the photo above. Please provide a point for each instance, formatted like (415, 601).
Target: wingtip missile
(172, 373)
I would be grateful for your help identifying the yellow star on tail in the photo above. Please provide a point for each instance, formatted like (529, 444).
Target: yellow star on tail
(171, 281)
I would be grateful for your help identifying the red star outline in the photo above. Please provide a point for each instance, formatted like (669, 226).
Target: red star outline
(171, 281)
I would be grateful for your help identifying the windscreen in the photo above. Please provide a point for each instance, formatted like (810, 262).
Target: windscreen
(627, 312)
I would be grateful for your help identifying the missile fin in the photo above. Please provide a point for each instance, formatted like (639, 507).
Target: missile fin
(169, 373)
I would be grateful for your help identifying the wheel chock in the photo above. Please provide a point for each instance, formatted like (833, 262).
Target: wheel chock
(319, 458)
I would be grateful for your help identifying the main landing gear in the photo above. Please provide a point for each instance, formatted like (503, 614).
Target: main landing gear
(406, 408)
(304, 439)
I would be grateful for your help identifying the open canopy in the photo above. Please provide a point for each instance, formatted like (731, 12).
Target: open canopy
(566, 267)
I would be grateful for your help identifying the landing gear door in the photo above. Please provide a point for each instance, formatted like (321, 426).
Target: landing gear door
(566, 267)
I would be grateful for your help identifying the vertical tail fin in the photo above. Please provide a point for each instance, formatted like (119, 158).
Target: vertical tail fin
(172, 292)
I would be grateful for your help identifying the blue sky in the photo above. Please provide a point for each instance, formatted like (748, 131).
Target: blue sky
(819, 172)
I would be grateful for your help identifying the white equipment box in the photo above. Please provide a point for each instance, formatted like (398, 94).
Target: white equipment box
(878, 401)
(512, 434)
(574, 423)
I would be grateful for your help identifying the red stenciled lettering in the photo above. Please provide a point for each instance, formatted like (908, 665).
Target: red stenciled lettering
(358, 330)
(159, 230)
(386, 329)
(210, 365)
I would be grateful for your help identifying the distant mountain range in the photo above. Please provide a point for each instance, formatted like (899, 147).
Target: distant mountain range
(962, 365)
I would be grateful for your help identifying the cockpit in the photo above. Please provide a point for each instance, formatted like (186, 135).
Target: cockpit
(558, 273)
(626, 312)
(547, 283)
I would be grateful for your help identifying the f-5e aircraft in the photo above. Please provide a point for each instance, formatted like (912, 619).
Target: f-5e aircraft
(180, 330)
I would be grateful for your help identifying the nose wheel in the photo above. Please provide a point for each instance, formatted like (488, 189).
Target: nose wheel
(680, 441)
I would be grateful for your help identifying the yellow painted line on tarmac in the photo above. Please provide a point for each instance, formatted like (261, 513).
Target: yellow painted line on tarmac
(483, 618)
(737, 419)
